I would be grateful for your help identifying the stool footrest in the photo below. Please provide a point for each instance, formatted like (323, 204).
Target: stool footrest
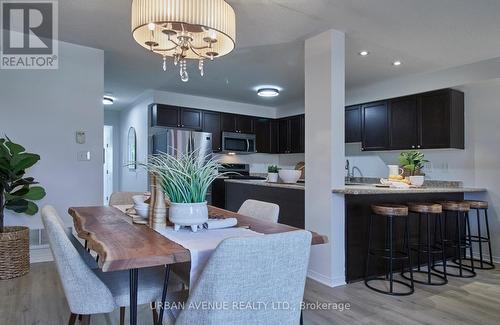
(385, 254)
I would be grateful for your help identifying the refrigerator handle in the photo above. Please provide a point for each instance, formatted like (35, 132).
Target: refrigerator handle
(248, 145)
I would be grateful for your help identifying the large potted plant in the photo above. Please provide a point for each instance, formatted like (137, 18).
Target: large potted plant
(17, 194)
(185, 180)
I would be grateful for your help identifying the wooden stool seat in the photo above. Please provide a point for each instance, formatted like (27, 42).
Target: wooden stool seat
(460, 206)
(425, 207)
(477, 204)
(396, 210)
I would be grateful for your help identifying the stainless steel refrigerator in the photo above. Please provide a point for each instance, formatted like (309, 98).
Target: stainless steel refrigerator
(175, 142)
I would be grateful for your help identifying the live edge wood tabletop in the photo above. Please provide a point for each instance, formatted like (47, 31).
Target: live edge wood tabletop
(122, 245)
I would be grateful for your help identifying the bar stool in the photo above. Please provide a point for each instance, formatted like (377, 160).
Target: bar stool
(431, 247)
(479, 238)
(460, 210)
(390, 212)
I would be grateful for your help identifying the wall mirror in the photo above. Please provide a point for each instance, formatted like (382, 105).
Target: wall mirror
(132, 149)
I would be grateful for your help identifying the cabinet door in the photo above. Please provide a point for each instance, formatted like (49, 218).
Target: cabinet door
(274, 136)
(353, 124)
(296, 134)
(211, 124)
(283, 139)
(263, 135)
(374, 126)
(434, 119)
(403, 121)
(244, 124)
(165, 115)
(228, 122)
(191, 118)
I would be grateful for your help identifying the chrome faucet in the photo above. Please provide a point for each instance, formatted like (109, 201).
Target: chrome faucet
(348, 169)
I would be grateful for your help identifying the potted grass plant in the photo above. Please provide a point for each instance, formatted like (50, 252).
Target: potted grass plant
(17, 194)
(185, 180)
(412, 163)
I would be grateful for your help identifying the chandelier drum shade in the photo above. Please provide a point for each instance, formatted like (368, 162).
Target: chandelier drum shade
(184, 29)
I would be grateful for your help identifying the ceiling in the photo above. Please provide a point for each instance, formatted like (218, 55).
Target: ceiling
(426, 35)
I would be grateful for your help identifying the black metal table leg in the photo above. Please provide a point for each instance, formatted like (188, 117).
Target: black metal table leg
(164, 294)
(134, 273)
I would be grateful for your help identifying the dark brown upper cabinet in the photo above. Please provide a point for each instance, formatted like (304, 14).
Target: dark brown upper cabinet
(353, 124)
(165, 115)
(212, 124)
(374, 126)
(403, 123)
(228, 122)
(266, 135)
(237, 123)
(442, 122)
(191, 118)
(291, 134)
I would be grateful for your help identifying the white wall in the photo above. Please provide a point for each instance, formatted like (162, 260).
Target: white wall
(42, 110)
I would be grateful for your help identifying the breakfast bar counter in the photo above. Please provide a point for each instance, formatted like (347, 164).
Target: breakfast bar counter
(371, 189)
(296, 186)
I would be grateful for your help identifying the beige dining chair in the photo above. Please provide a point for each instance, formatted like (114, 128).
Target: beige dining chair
(123, 198)
(89, 291)
(260, 210)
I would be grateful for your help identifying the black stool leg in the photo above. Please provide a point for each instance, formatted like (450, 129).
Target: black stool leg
(479, 235)
(419, 240)
(367, 262)
(408, 251)
(459, 243)
(469, 239)
(391, 284)
(489, 238)
(429, 254)
(443, 247)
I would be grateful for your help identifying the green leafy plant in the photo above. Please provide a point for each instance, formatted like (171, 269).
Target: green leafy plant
(17, 192)
(412, 161)
(184, 178)
(273, 169)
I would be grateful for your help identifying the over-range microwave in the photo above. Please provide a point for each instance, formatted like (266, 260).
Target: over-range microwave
(240, 143)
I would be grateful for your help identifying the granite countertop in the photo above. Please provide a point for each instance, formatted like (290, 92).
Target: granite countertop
(366, 189)
(296, 186)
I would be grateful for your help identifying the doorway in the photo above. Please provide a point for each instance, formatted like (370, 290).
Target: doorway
(108, 163)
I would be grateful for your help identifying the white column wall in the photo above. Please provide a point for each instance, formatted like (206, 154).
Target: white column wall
(325, 153)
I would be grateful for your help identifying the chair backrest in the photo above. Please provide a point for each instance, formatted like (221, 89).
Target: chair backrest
(85, 292)
(123, 198)
(267, 271)
(260, 210)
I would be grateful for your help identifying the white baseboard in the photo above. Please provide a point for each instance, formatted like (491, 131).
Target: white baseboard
(41, 254)
(331, 282)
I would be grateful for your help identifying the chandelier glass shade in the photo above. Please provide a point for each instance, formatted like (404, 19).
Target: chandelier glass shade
(184, 30)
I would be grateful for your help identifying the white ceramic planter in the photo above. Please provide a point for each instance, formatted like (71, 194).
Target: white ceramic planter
(417, 180)
(272, 177)
(188, 215)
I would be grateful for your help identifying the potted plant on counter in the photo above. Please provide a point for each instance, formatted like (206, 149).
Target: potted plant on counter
(412, 163)
(185, 180)
(272, 173)
(17, 194)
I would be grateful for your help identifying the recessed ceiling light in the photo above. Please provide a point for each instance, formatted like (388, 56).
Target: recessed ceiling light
(364, 53)
(107, 100)
(268, 92)
(396, 63)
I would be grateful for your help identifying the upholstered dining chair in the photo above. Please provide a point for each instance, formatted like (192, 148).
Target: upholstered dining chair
(88, 291)
(123, 198)
(260, 210)
(269, 271)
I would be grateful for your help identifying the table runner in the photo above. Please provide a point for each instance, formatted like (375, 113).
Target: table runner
(200, 244)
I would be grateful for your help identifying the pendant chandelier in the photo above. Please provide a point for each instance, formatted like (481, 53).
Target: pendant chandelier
(184, 30)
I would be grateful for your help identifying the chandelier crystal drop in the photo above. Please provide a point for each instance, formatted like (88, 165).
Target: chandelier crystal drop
(184, 30)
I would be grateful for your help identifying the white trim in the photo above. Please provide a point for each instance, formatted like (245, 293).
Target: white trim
(331, 282)
(40, 254)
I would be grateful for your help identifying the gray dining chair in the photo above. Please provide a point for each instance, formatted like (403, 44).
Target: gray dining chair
(260, 210)
(123, 198)
(89, 291)
(269, 270)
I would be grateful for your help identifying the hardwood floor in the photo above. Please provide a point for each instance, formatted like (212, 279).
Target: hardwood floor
(38, 298)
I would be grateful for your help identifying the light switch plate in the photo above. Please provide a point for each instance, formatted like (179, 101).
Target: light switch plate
(83, 156)
(80, 137)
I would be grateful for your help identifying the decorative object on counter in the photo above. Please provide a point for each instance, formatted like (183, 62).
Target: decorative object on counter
(17, 194)
(272, 173)
(417, 180)
(289, 176)
(412, 162)
(395, 171)
(302, 167)
(185, 179)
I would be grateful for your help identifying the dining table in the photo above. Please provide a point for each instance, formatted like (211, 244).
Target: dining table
(122, 245)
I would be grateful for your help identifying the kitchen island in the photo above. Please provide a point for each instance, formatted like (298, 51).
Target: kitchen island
(359, 198)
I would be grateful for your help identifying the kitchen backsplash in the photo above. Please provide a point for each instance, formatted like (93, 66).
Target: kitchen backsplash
(258, 162)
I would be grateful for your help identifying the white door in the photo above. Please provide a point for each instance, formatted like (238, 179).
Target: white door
(108, 163)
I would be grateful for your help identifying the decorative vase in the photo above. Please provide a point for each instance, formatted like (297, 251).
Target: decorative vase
(188, 214)
(157, 206)
(14, 252)
(417, 180)
(272, 177)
